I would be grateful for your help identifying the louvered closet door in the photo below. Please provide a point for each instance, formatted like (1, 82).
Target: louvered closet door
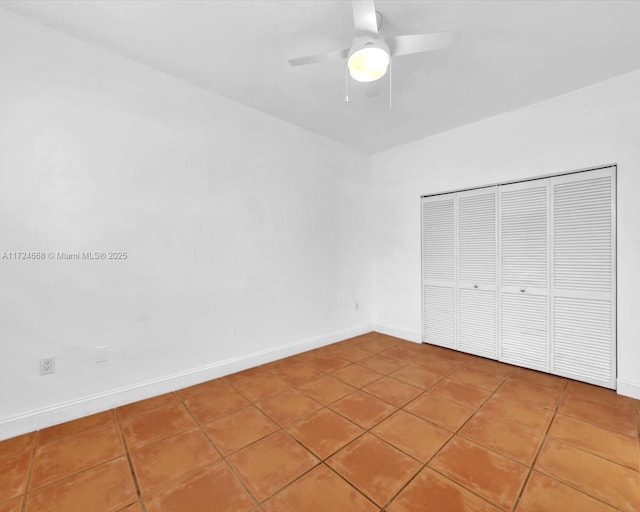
(438, 273)
(477, 244)
(524, 261)
(583, 276)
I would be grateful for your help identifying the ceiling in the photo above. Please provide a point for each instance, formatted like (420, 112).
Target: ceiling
(509, 54)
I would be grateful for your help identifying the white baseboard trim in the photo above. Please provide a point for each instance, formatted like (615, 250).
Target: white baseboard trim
(99, 402)
(416, 337)
(626, 388)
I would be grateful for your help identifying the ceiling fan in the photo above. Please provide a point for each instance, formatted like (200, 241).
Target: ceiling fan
(370, 53)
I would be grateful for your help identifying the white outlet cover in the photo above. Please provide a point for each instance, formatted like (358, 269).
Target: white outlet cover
(47, 365)
(102, 354)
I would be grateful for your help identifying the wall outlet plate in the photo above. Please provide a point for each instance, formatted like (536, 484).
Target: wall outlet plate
(47, 365)
(102, 354)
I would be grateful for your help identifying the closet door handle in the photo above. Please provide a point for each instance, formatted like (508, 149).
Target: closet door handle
(522, 290)
(475, 286)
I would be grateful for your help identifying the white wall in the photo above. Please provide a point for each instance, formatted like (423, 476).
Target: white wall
(245, 235)
(586, 128)
(247, 238)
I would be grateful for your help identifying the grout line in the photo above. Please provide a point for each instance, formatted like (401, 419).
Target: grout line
(546, 435)
(255, 441)
(352, 486)
(471, 491)
(366, 429)
(579, 491)
(397, 409)
(423, 465)
(590, 451)
(79, 471)
(363, 433)
(287, 485)
(599, 425)
(237, 476)
(163, 438)
(32, 461)
(452, 436)
(452, 432)
(184, 476)
(199, 427)
(477, 409)
(280, 428)
(128, 418)
(130, 462)
(76, 471)
(139, 503)
(542, 443)
(315, 465)
(638, 438)
(223, 458)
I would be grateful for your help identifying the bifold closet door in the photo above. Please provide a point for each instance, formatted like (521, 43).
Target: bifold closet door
(439, 270)
(477, 248)
(525, 273)
(524, 276)
(583, 276)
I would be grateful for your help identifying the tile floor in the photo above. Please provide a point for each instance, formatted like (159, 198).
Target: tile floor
(368, 424)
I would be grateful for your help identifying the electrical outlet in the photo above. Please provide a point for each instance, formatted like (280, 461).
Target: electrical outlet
(102, 354)
(47, 365)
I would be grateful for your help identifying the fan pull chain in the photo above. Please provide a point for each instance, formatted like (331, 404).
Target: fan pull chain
(390, 74)
(346, 83)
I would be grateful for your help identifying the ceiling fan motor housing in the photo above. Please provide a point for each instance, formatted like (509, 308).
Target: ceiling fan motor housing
(368, 41)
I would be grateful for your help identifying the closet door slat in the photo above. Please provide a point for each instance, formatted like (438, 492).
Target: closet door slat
(439, 316)
(477, 237)
(477, 326)
(438, 246)
(524, 330)
(523, 224)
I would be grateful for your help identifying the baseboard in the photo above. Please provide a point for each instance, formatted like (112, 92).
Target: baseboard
(92, 404)
(416, 337)
(626, 388)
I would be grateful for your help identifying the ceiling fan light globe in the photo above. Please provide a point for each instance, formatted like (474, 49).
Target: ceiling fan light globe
(368, 64)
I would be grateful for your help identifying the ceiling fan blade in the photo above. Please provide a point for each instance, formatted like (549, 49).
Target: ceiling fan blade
(321, 57)
(372, 89)
(364, 16)
(417, 43)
